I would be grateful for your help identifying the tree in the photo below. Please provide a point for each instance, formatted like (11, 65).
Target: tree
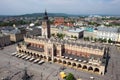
(51, 22)
(70, 77)
(84, 38)
(95, 39)
(60, 35)
(71, 36)
(75, 37)
(87, 38)
(104, 40)
(37, 24)
(109, 40)
(53, 34)
(91, 38)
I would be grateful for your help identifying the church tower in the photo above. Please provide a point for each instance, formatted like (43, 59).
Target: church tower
(46, 26)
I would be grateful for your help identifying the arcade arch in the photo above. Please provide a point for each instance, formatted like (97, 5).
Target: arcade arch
(68, 63)
(90, 68)
(64, 62)
(79, 66)
(84, 67)
(55, 60)
(96, 70)
(73, 64)
(59, 61)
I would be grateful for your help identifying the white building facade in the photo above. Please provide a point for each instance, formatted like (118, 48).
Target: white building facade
(108, 33)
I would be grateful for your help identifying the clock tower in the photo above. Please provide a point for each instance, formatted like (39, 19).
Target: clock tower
(45, 26)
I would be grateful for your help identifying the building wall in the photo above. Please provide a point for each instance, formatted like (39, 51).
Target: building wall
(58, 58)
(119, 37)
(107, 35)
(46, 29)
(68, 46)
(5, 40)
(16, 37)
(101, 34)
(67, 33)
(89, 34)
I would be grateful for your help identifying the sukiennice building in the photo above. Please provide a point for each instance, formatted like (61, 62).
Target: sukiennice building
(74, 54)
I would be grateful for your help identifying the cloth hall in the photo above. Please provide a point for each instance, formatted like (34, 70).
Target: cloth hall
(74, 54)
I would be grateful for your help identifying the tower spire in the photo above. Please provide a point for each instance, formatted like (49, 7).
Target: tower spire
(45, 15)
(45, 12)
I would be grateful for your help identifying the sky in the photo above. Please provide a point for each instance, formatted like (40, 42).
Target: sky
(18, 7)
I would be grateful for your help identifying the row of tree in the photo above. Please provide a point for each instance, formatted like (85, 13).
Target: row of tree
(58, 35)
(73, 36)
(94, 23)
(99, 40)
(10, 23)
(61, 36)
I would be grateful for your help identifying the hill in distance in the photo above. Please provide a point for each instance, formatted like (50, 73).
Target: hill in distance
(41, 14)
(49, 14)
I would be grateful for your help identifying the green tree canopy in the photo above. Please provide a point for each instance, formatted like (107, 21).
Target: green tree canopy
(60, 35)
(70, 77)
(109, 41)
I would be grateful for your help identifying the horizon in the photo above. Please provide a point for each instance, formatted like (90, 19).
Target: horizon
(62, 13)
